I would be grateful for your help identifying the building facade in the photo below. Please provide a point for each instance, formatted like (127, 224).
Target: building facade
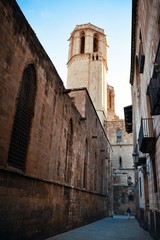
(54, 152)
(87, 64)
(145, 88)
(123, 185)
(87, 67)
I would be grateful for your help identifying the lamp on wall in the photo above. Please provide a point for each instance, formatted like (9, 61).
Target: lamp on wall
(143, 168)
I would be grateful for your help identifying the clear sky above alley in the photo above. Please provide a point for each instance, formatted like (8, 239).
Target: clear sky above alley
(54, 20)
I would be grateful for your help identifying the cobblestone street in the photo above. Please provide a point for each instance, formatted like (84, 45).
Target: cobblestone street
(117, 228)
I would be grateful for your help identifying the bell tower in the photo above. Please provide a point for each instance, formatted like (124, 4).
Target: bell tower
(87, 64)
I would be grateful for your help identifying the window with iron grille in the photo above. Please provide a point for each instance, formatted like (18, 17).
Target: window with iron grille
(119, 135)
(85, 165)
(23, 119)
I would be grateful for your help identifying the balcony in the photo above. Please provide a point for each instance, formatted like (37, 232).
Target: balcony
(154, 95)
(147, 138)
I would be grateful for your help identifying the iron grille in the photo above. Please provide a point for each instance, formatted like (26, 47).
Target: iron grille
(146, 135)
(23, 119)
(68, 161)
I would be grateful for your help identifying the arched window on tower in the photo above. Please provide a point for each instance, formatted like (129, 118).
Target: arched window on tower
(119, 135)
(110, 99)
(23, 119)
(72, 44)
(82, 46)
(95, 43)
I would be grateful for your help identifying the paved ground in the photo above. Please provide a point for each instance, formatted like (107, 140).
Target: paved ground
(117, 228)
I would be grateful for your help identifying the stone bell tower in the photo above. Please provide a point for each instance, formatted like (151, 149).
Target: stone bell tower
(87, 64)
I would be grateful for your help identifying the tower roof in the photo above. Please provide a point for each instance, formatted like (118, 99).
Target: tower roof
(88, 26)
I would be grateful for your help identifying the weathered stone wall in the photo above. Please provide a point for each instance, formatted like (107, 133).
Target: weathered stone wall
(33, 208)
(123, 148)
(146, 45)
(97, 139)
(122, 166)
(121, 202)
(52, 194)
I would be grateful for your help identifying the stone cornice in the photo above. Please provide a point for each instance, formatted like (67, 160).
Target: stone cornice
(88, 26)
(133, 38)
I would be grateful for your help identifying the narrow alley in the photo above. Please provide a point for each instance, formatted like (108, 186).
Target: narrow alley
(116, 228)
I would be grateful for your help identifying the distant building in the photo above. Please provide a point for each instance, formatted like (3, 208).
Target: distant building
(121, 159)
(87, 67)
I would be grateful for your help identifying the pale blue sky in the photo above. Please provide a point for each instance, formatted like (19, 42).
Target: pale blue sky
(54, 20)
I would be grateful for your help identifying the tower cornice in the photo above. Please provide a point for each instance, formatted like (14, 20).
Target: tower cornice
(87, 26)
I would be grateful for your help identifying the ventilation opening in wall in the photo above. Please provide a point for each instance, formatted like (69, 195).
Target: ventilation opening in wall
(23, 119)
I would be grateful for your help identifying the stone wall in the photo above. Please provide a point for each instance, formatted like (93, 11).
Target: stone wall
(33, 208)
(145, 87)
(63, 184)
(122, 165)
(121, 202)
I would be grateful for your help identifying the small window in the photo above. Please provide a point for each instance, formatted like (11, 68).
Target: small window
(120, 162)
(95, 172)
(140, 187)
(85, 166)
(141, 56)
(154, 175)
(110, 99)
(119, 136)
(69, 145)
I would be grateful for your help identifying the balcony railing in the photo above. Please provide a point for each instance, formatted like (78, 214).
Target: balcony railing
(154, 95)
(147, 138)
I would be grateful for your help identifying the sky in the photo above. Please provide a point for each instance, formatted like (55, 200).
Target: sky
(54, 20)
